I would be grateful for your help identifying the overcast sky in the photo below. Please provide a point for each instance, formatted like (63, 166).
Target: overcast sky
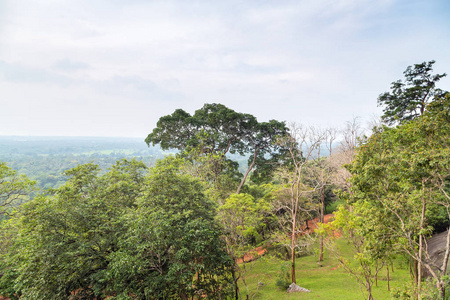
(114, 67)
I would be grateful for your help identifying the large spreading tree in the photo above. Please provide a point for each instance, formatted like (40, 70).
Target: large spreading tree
(218, 130)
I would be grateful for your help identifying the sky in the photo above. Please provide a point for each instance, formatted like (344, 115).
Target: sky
(114, 67)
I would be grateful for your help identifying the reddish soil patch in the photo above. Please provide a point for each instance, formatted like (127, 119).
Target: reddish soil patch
(251, 255)
(309, 227)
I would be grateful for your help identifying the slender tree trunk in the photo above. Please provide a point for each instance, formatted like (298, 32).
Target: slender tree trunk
(419, 263)
(248, 292)
(414, 264)
(441, 287)
(321, 248)
(237, 292)
(321, 220)
(387, 269)
(369, 290)
(376, 274)
(293, 249)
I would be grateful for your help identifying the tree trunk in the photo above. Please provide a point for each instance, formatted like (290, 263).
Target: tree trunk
(376, 274)
(419, 263)
(387, 268)
(369, 290)
(415, 271)
(293, 280)
(441, 287)
(321, 220)
(321, 248)
(416, 277)
(236, 286)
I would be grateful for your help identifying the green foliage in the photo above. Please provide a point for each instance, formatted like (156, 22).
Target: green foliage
(243, 218)
(400, 178)
(213, 128)
(219, 174)
(284, 277)
(409, 99)
(14, 189)
(172, 247)
(333, 206)
(428, 291)
(122, 233)
(266, 152)
(64, 240)
(217, 130)
(403, 163)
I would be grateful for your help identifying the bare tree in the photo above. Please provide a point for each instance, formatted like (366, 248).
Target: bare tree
(305, 145)
(320, 173)
(351, 135)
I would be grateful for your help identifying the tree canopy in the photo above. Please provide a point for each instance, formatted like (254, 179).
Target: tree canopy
(14, 189)
(408, 99)
(213, 129)
(401, 176)
(217, 130)
(124, 233)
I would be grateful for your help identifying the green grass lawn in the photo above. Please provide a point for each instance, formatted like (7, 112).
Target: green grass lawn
(328, 281)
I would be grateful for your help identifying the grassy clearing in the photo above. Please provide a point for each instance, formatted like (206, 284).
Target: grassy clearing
(328, 281)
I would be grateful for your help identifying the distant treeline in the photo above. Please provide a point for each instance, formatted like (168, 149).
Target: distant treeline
(44, 159)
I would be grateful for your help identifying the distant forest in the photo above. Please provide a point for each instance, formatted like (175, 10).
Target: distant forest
(44, 159)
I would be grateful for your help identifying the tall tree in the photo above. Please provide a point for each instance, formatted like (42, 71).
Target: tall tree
(403, 175)
(320, 173)
(242, 217)
(172, 248)
(409, 98)
(304, 146)
(217, 130)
